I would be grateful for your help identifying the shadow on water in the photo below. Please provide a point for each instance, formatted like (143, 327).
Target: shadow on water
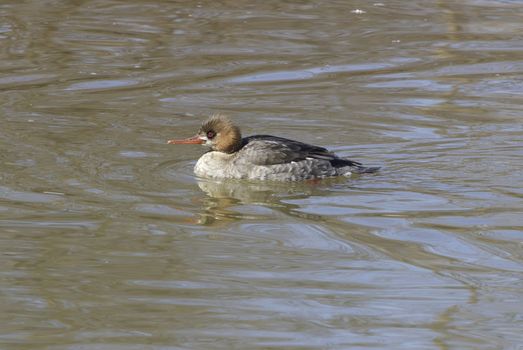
(225, 197)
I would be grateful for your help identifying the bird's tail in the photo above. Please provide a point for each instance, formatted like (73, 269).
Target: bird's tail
(359, 169)
(355, 167)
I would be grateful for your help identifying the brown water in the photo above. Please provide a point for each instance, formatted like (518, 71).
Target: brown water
(107, 240)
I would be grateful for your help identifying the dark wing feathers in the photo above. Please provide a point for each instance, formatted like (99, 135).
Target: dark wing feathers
(269, 150)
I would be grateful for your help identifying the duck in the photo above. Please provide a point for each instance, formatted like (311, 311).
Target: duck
(263, 157)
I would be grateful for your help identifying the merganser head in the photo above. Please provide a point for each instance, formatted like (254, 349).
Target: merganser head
(218, 132)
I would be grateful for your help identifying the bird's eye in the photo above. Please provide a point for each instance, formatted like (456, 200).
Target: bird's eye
(210, 134)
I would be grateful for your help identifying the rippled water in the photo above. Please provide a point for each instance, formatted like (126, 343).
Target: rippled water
(108, 241)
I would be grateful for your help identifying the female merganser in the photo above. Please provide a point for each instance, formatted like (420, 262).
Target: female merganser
(263, 157)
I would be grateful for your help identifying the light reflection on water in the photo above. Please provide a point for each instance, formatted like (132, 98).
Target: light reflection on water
(109, 241)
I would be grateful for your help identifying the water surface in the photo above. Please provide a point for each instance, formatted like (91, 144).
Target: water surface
(108, 241)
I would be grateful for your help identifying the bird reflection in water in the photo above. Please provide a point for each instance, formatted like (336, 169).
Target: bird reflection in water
(231, 200)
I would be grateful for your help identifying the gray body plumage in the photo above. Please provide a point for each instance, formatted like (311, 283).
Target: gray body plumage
(264, 157)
